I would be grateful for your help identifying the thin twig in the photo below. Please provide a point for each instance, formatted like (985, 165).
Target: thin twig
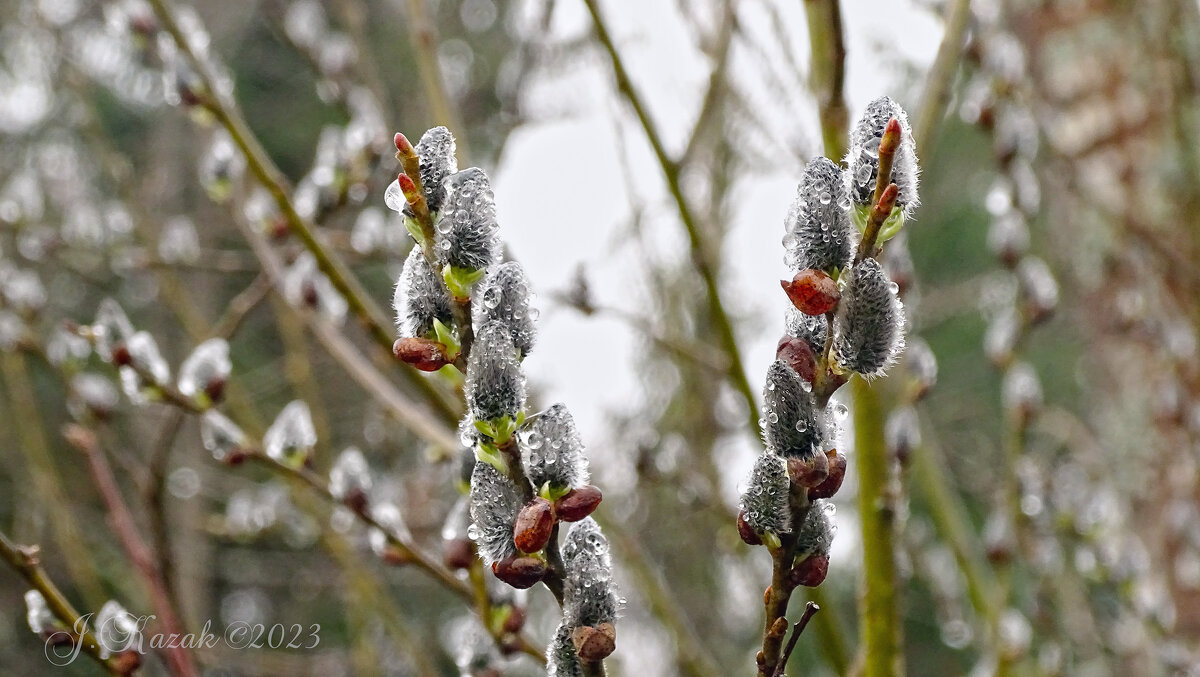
(941, 75)
(415, 417)
(178, 660)
(698, 246)
(423, 35)
(809, 609)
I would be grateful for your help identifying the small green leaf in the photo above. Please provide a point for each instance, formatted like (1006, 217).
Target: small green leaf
(893, 224)
(445, 336)
(485, 428)
(772, 540)
(460, 280)
(486, 453)
(860, 214)
(505, 427)
(414, 229)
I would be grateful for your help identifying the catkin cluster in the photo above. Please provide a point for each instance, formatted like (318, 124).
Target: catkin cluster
(845, 318)
(525, 474)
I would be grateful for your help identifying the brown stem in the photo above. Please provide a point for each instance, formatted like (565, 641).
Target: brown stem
(179, 660)
(809, 610)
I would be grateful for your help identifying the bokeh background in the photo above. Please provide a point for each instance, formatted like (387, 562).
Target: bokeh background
(1045, 488)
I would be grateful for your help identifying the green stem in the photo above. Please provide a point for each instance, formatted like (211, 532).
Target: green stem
(828, 72)
(881, 626)
(25, 561)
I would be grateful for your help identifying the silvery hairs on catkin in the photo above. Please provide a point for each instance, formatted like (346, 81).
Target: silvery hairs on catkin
(503, 297)
(588, 594)
(552, 450)
(790, 427)
(495, 386)
(420, 298)
(466, 226)
(765, 503)
(436, 152)
(495, 501)
(862, 159)
(818, 228)
(869, 325)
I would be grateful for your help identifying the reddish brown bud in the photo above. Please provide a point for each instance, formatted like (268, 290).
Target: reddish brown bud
(126, 662)
(520, 572)
(458, 553)
(408, 187)
(578, 503)
(534, 525)
(308, 293)
(797, 354)
(422, 353)
(887, 201)
(356, 500)
(215, 389)
(120, 355)
(778, 628)
(396, 556)
(514, 621)
(891, 138)
(235, 457)
(812, 291)
(833, 482)
(808, 472)
(748, 534)
(594, 644)
(811, 572)
(767, 595)
(402, 144)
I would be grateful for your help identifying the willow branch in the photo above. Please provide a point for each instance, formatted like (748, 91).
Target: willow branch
(798, 629)
(423, 34)
(701, 257)
(178, 659)
(828, 72)
(26, 561)
(941, 75)
(359, 302)
(881, 625)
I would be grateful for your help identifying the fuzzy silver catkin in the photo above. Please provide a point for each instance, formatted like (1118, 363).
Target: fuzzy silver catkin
(790, 426)
(812, 328)
(552, 450)
(561, 659)
(466, 226)
(765, 505)
(495, 502)
(504, 297)
(815, 535)
(436, 152)
(420, 298)
(869, 326)
(495, 386)
(862, 160)
(589, 597)
(818, 227)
